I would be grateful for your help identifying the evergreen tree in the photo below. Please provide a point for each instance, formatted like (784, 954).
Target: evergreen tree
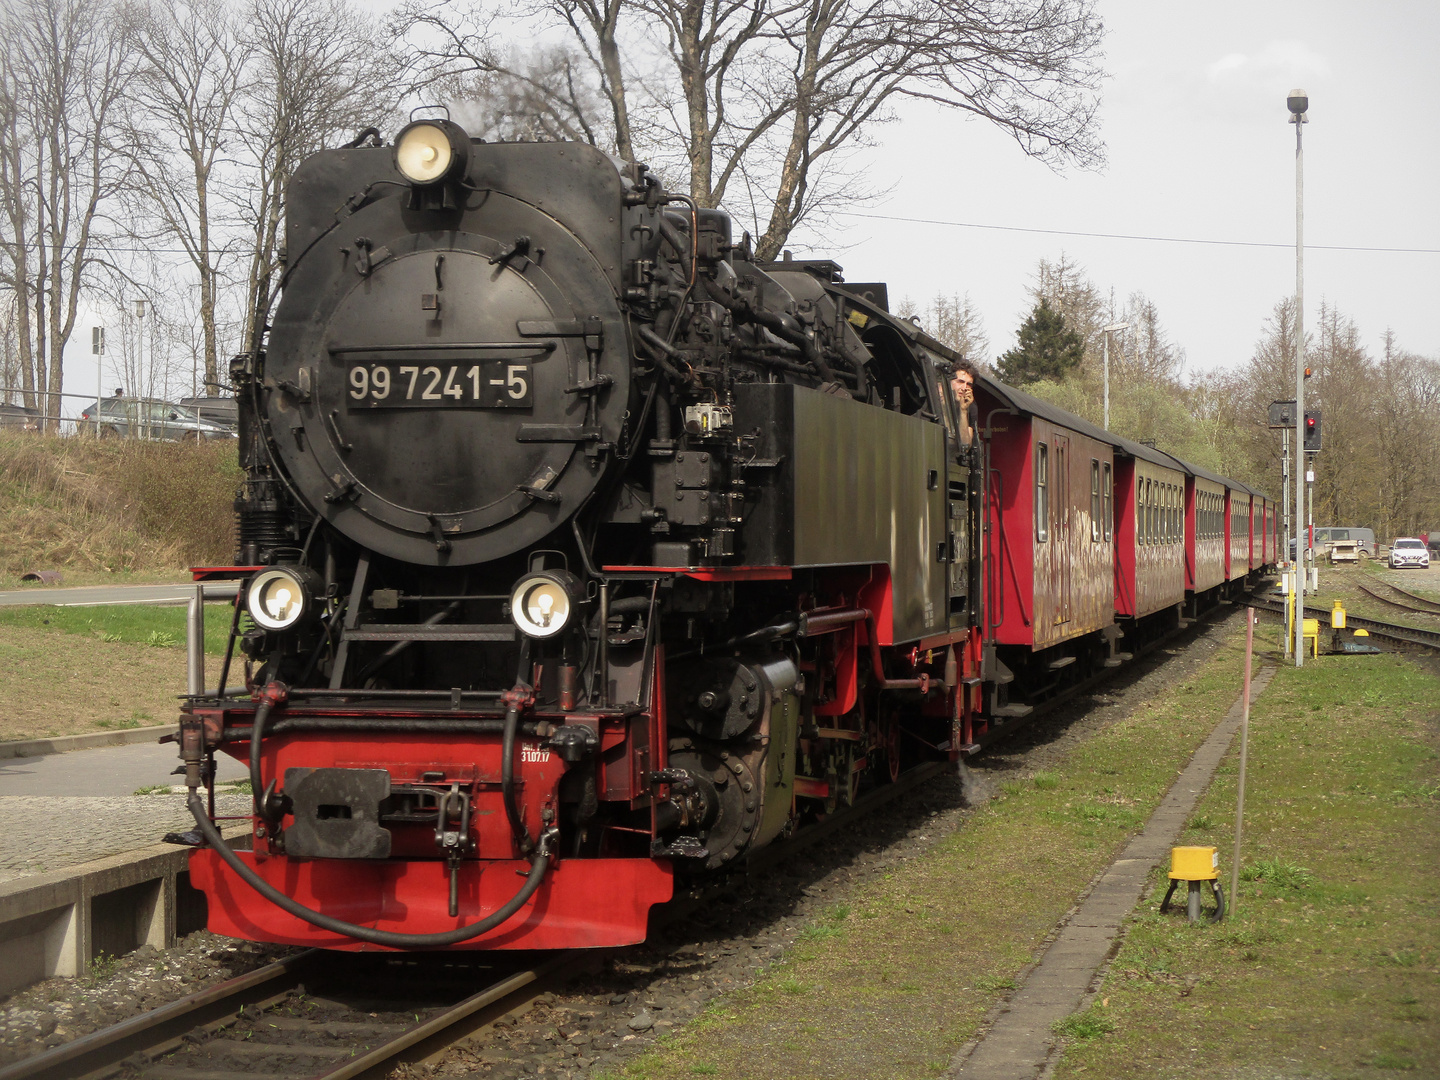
(1047, 349)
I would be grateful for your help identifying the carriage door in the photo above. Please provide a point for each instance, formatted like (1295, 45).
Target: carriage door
(1060, 520)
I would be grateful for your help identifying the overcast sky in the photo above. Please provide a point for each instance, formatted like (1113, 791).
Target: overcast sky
(1199, 147)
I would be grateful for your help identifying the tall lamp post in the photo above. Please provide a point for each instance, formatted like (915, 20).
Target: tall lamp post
(1299, 103)
(1112, 328)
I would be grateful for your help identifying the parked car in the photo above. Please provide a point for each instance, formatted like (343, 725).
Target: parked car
(20, 417)
(146, 418)
(1325, 535)
(1409, 551)
(218, 410)
(1343, 551)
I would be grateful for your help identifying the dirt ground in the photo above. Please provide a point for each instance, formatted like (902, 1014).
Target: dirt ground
(65, 684)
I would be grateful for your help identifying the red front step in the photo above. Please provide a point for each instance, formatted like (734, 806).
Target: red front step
(583, 904)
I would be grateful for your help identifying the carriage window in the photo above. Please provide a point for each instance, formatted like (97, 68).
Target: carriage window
(1042, 492)
(1107, 499)
(1095, 508)
(1149, 512)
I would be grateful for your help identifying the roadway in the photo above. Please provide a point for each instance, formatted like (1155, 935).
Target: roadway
(96, 595)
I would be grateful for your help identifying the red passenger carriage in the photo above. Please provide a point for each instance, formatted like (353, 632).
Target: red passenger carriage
(1150, 579)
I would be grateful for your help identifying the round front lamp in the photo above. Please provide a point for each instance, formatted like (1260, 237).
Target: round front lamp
(543, 603)
(280, 598)
(429, 151)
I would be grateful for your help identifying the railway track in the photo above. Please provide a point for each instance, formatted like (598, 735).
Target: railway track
(314, 1016)
(1400, 635)
(1410, 601)
(320, 1015)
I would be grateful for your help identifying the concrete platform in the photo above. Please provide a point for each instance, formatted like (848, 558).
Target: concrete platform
(57, 923)
(83, 870)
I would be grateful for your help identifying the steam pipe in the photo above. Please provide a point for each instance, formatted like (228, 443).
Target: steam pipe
(273, 694)
(507, 778)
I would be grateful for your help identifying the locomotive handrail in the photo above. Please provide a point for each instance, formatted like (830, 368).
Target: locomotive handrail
(445, 346)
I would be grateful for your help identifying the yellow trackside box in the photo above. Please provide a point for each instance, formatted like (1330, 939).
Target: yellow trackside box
(1194, 863)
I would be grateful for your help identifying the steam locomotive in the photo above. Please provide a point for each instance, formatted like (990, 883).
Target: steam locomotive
(581, 549)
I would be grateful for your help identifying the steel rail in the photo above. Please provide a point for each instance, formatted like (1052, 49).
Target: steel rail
(1407, 635)
(92, 1054)
(1430, 608)
(382, 1058)
(179, 1024)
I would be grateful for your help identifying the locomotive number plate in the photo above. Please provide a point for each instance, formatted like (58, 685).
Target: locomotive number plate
(483, 384)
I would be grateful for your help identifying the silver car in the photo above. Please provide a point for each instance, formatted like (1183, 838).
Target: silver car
(146, 418)
(1409, 551)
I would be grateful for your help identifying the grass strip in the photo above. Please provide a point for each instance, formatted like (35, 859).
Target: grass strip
(894, 982)
(131, 624)
(1331, 966)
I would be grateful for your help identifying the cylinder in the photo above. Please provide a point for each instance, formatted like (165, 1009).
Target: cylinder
(195, 642)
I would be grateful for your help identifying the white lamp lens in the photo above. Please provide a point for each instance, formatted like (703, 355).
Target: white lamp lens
(540, 606)
(276, 600)
(423, 154)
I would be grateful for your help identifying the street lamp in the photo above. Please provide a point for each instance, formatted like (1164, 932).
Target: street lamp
(97, 346)
(1298, 103)
(1106, 352)
(142, 416)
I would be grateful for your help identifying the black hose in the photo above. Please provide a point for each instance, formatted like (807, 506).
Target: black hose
(682, 249)
(387, 938)
(368, 133)
(257, 734)
(663, 352)
(507, 779)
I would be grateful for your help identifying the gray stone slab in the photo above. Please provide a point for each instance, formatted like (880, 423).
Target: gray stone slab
(90, 740)
(1065, 956)
(45, 834)
(108, 771)
(1020, 1041)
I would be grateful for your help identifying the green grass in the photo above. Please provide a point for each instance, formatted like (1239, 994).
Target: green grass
(1328, 966)
(135, 624)
(907, 973)
(1084, 1026)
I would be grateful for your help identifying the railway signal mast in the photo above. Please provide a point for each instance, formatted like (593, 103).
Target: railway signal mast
(1299, 104)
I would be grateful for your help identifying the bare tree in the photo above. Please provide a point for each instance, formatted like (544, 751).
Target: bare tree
(954, 321)
(67, 65)
(772, 94)
(9, 348)
(1148, 355)
(195, 62)
(1028, 66)
(320, 72)
(542, 92)
(1065, 287)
